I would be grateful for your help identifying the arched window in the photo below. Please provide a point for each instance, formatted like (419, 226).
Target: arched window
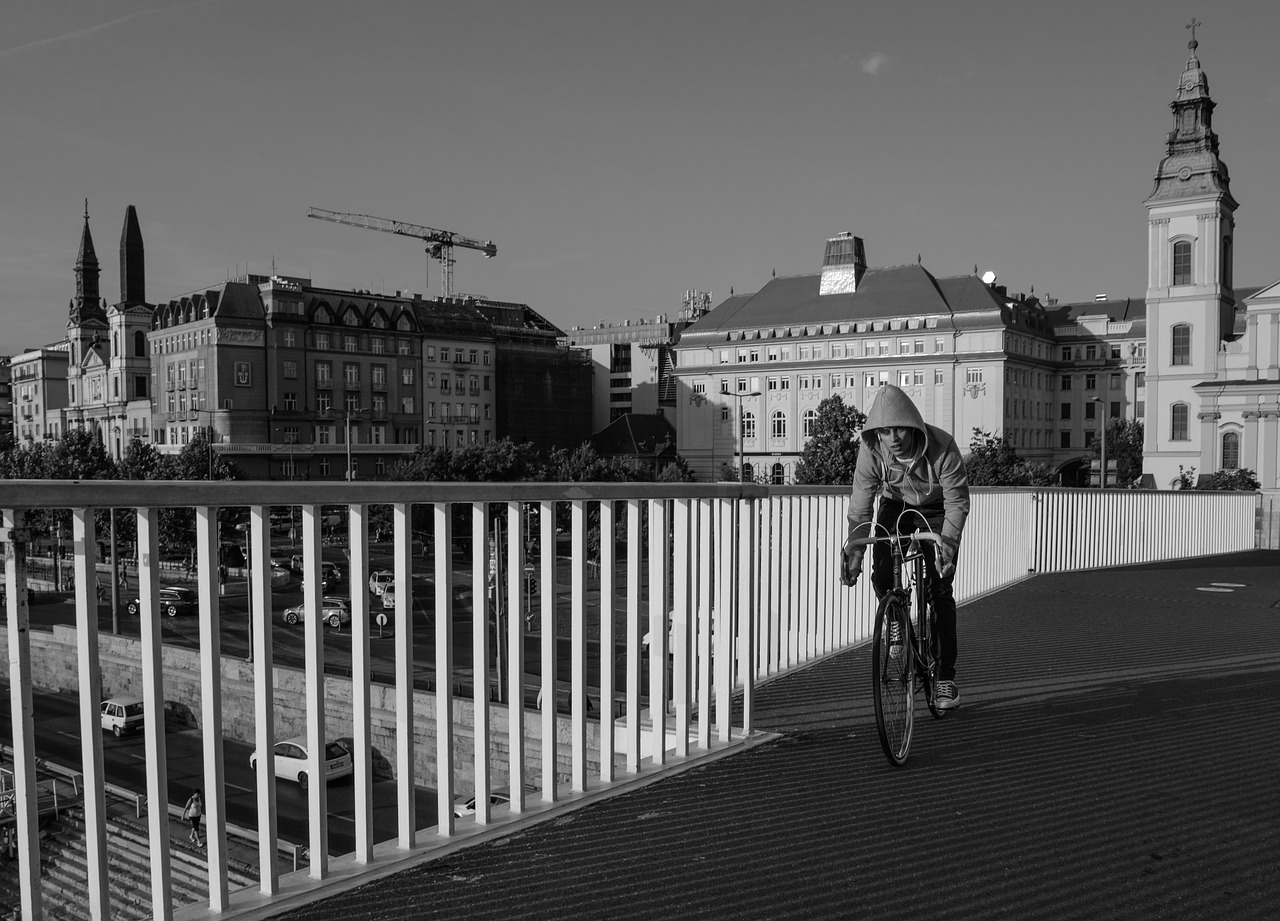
(748, 425)
(748, 474)
(1178, 430)
(1182, 262)
(1231, 451)
(139, 344)
(778, 424)
(1180, 337)
(808, 421)
(779, 475)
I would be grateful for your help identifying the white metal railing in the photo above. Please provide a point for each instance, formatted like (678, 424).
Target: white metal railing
(704, 590)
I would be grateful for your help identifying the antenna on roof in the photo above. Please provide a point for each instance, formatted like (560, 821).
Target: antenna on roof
(918, 259)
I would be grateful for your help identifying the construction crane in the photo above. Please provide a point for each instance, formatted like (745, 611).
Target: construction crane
(440, 243)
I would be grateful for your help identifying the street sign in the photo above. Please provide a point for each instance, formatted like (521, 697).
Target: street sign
(382, 620)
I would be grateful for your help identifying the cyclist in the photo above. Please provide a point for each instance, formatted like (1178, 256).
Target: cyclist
(912, 467)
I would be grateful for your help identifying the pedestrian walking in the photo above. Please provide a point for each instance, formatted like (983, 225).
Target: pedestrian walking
(192, 812)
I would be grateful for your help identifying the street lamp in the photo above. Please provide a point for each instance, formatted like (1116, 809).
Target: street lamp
(1102, 425)
(349, 412)
(738, 395)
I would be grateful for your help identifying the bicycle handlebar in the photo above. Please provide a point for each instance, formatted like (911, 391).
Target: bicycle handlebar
(918, 535)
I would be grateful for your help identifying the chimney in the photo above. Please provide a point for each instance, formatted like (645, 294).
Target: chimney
(843, 265)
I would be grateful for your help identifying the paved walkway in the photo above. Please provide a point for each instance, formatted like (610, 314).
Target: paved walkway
(1117, 756)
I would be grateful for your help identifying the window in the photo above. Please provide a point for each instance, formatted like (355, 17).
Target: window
(904, 378)
(376, 345)
(406, 404)
(379, 375)
(1091, 352)
(350, 343)
(444, 353)
(778, 424)
(431, 353)
(748, 425)
(1066, 411)
(322, 342)
(772, 383)
(755, 354)
(1090, 409)
(918, 346)
(324, 372)
(724, 356)
(973, 375)
(1091, 382)
(1230, 451)
(291, 400)
(939, 345)
(1180, 336)
(1178, 429)
(917, 377)
(1139, 409)
(1140, 379)
(351, 374)
(402, 347)
(904, 347)
(779, 475)
(869, 379)
(1066, 382)
(324, 402)
(1064, 439)
(808, 421)
(700, 387)
(1114, 381)
(771, 354)
(379, 405)
(1182, 262)
(937, 376)
(290, 369)
(406, 376)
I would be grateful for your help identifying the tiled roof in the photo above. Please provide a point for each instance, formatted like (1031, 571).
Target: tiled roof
(893, 291)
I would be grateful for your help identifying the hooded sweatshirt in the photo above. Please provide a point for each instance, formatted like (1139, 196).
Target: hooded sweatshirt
(933, 478)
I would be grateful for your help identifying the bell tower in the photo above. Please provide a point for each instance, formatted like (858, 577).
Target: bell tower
(1190, 299)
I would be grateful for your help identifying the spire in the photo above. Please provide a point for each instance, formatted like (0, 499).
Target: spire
(1191, 166)
(88, 300)
(132, 265)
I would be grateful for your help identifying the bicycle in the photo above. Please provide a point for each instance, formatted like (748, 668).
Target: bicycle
(898, 670)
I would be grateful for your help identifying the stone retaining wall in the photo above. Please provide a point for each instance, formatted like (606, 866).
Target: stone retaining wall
(54, 669)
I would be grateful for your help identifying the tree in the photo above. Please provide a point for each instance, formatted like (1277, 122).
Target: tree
(676, 472)
(583, 465)
(831, 453)
(993, 461)
(1240, 480)
(1124, 446)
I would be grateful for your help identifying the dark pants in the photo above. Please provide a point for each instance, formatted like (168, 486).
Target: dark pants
(939, 589)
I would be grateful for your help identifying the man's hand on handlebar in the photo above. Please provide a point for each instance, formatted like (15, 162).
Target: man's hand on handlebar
(850, 566)
(945, 559)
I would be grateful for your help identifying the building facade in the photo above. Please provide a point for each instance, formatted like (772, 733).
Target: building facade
(1213, 349)
(291, 380)
(971, 356)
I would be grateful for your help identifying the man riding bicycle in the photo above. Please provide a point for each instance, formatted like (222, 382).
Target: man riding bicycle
(914, 468)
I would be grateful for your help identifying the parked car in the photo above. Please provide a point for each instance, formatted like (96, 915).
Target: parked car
(333, 611)
(173, 600)
(380, 581)
(121, 715)
(291, 760)
(464, 806)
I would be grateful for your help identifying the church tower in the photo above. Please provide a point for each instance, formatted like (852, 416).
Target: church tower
(87, 317)
(129, 372)
(1190, 300)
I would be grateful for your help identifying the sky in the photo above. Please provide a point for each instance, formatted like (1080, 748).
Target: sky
(617, 154)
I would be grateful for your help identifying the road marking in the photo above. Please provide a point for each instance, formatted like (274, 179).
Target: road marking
(1230, 584)
(1214, 588)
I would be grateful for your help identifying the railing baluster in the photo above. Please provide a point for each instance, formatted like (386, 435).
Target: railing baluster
(547, 596)
(658, 630)
(406, 791)
(89, 671)
(633, 636)
(444, 667)
(578, 645)
(515, 657)
(362, 677)
(480, 657)
(210, 628)
(607, 547)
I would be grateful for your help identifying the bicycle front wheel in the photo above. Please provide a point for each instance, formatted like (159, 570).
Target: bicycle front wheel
(893, 677)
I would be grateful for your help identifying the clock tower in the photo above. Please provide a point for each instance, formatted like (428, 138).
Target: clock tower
(1190, 300)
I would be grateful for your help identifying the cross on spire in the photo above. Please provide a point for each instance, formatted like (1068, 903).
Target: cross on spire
(1192, 26)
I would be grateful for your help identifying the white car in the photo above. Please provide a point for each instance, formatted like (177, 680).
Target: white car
(333, 611)
(121, 715)
(464, 806)
(379, 582)
(291, 760)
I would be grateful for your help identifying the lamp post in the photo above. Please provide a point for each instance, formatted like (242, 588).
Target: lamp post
(741, 437)
(1102, 425)
(349, 412)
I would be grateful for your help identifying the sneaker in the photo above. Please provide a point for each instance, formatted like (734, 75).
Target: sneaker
(895, 638)
(946, 696)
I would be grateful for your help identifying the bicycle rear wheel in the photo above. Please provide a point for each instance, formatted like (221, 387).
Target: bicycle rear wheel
(935, 662)
(893, 679)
